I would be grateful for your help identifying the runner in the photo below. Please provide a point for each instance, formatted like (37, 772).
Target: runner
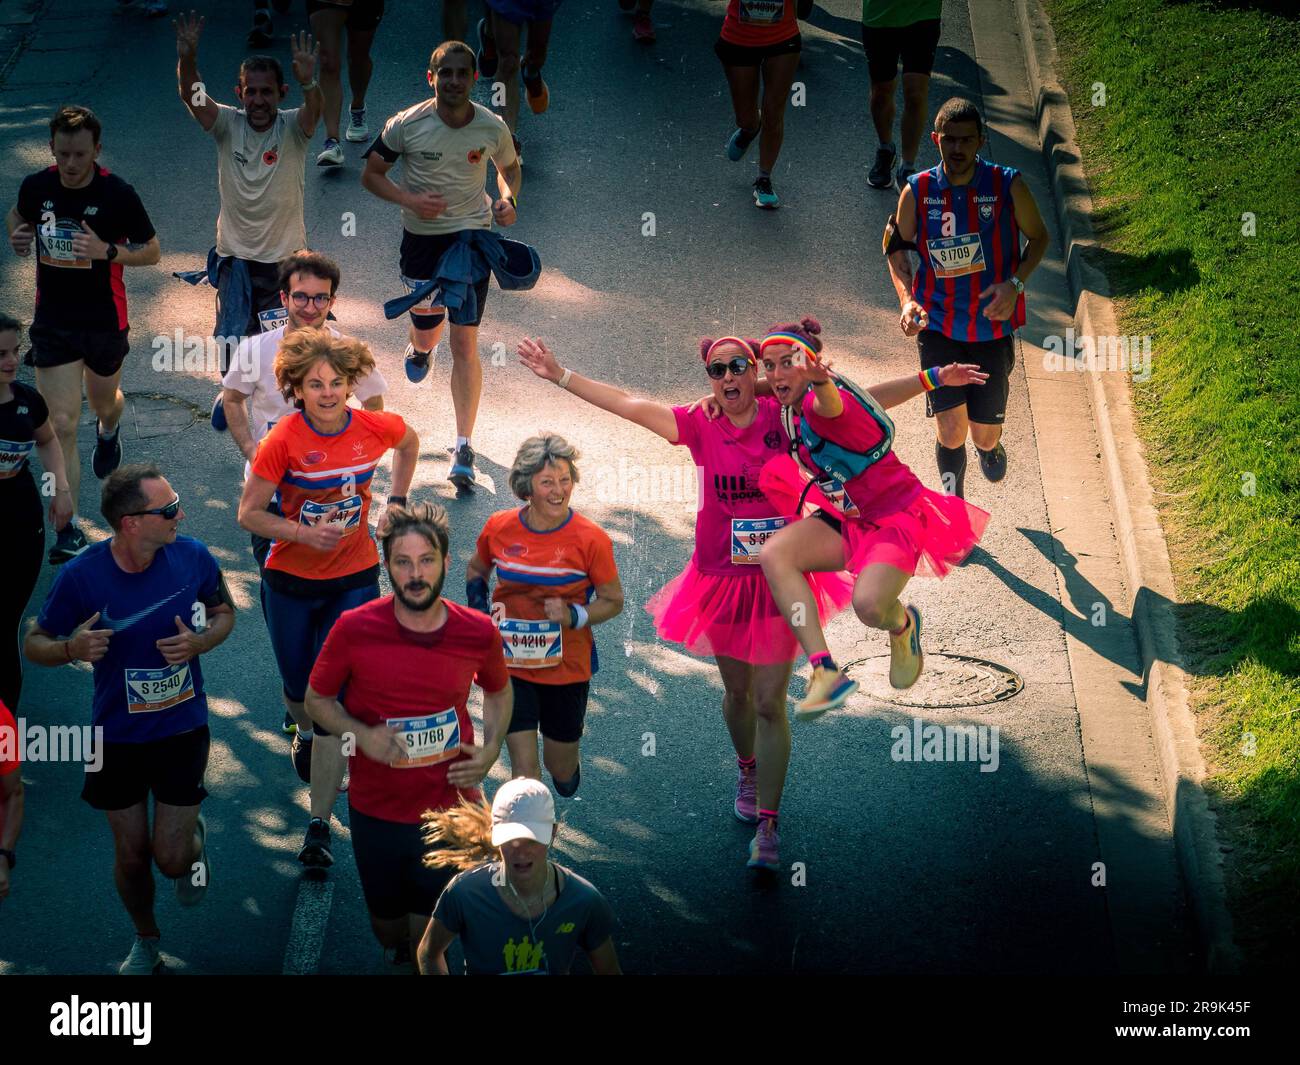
(643, 29)
(87, 225)
(318, 463)
(500, 34)
(515, 911)
(143, 606)
(328, 20)
(404, 664)
(261, 153)
(720, 605)
(441, 197)
(894, 30)
(759, 48)
(877, 520)
(261, 35)
(550, 562)
(24, 428)
(11, 798)
(967, 296)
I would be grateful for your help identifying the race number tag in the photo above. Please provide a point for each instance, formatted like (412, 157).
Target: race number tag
(761, 12)
(532, 644)
(272, 319)
(748, 535)
(346, 514)
(150, 690)
(54, 246)
(833, 489)
(956, 256)
(13, 457)
(428, 740)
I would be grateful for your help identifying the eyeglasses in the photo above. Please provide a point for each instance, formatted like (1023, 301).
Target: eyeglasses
(718, 370)
(166, 513)
(320, 299)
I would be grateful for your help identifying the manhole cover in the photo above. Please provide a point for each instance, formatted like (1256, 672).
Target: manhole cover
(152, 414)
(949, 680)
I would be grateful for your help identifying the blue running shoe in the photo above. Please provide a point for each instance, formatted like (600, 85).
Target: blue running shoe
(462, 468)
(417, 364)
(764, 195)
(219, 422)
(739, 144)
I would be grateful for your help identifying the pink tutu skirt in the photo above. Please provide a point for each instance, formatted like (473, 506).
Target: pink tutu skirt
(926, 538)
(736, 617)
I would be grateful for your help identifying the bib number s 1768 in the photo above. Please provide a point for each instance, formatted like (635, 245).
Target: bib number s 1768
(151, 690)
(428, 740)
(532, 644)
(748, 535)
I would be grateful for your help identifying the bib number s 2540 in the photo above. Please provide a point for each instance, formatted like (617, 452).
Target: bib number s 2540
(151, 690)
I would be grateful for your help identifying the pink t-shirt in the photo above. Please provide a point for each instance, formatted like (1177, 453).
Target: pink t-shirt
(735, 517)
(883, 488)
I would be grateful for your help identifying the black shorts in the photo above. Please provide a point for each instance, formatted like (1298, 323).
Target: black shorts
(915, 45)
(390, 862)
(739, 55)
(265, 281)
(171, 768)
(555, 710)
(420, 255)
(103, 353)
(363, 15)
(827, 518)
(986, 403)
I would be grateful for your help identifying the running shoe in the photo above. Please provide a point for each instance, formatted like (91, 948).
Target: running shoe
(107, 455)
(290, 726)
(144, 959)
(219, 422)
(357, 130)
(746, 807)
(300, 752)
(315, 853)
(539, 96)
(462, 468)
(260, 35)
(71, 541)
(881, 174)
(487, 51)
(764, 195)
(904, 172)
(643, 30)
(417, 364)
(765, 847)
(828, 690)
(739, 144)
(332, 155)
(993, 464)
(189, 893)
(905, 658)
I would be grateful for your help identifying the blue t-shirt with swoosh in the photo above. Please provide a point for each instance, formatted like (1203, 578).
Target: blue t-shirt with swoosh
(138, 696)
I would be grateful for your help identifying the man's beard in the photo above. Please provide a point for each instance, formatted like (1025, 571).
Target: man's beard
(425, 598)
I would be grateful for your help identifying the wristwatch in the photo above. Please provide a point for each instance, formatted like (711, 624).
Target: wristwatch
(1017, 284)
(10, 856)
(111, 254)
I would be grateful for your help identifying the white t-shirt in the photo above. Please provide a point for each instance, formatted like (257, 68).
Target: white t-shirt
(260, 182)
(252, 372)
(451, 162)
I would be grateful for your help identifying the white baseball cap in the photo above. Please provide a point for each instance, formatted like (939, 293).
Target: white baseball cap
(523, 809)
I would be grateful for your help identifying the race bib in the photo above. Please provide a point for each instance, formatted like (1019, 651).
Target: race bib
(761, 12)
(13, 457)
(346, 513)
(833, 489)
(55, 247)
(748, 535)
(428, 740)
(149, 690)
(956, 256)
(273, 319)
(532, 644)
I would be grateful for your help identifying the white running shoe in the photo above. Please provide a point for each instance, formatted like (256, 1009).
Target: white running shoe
(144, 959)
(332, 155)
(357, 131)
(189, 893)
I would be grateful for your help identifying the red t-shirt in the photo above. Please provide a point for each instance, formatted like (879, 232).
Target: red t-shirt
(758, 23)
(326, 478)
(420, 679)
(8, 754)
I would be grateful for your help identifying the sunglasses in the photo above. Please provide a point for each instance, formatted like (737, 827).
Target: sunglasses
(166, 513)
(301, 299)
(718, 370)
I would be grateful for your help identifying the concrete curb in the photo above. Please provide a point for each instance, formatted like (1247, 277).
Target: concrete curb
(1145, 556)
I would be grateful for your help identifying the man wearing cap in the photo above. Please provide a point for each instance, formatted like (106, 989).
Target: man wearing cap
(516, 913)
(392, 681)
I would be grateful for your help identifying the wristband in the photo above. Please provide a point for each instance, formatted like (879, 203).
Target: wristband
(577, 616)
(313, 84)
(513, 200)
(398, 500)
(563, 382)
(929, 379)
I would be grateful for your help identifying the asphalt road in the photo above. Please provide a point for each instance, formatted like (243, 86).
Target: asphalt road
(903, 867)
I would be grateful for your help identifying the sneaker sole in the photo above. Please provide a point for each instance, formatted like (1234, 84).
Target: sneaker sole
(462, 480)
(920, 655)
(360, 138)
(807, 713)
(316, 858)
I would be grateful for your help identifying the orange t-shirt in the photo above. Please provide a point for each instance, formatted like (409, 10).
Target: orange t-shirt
(8, 754)
(759, 23)
(326, 478)
(566, 563)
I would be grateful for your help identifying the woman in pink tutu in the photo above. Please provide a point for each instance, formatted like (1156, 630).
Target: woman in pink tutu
(720, 604)
(891, 526)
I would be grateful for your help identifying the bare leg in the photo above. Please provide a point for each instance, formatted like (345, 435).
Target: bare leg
(60, 386)
(466, 377)
(778, 76)
(506, 34)
(744, 85)
(876, 597)
(327, 768)
(882, 109)
(360, 66)
(522, 748)
(327, 27)
(809, 546)
(175, 839)
(738, 703)
(916, 95)
(133, 865)
(771, 685)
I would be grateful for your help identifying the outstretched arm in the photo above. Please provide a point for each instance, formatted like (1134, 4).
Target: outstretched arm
(194, 94)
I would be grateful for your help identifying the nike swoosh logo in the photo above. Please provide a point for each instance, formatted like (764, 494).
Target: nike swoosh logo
(118, 624)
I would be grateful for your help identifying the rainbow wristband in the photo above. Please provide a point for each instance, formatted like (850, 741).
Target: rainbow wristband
(929, 379)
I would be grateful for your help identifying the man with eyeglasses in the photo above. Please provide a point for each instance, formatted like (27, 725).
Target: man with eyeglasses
(141, 607)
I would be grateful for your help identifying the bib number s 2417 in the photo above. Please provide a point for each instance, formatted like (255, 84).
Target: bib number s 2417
(428, 740)
(748, 535)
(151, 690)
(532, 644)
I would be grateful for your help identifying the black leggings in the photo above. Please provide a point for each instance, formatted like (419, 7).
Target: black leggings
(23, 550)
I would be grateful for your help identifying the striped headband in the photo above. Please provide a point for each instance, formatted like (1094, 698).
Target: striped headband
(793, 339)
(738, 341)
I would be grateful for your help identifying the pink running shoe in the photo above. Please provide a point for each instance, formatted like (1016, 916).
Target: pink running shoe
(764, 850)
(746, 808)
(643, 29)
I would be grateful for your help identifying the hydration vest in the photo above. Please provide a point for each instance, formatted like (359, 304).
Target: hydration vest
(829, 458)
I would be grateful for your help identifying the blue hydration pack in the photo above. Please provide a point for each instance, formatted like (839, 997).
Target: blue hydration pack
(829, 458)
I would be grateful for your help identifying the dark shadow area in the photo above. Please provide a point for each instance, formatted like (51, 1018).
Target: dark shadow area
(1167, 272)
(1284, 8)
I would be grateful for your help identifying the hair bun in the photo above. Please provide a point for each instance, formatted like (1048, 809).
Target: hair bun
(705, 344)
(811, 326)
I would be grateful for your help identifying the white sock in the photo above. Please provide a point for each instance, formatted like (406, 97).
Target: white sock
(461, 441)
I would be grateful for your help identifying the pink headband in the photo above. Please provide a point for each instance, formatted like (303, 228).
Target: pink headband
(739, 341)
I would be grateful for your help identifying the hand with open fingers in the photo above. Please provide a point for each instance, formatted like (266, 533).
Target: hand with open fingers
(382, 744)
(426, 204)
(539, 358)
(305, 56)
(188, 31)
(709, 404)
(469, 772)
(913, 319)
(819, 369)
(182, 647)
(381, 527)
(89, 644)
(961, 373)
(1002, 297)
(86, 245)
(22, 238)
(503, 211)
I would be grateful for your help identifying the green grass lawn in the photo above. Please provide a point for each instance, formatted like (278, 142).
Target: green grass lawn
(1200, 126)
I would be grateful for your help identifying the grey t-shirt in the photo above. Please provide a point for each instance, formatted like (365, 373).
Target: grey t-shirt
(498, 942)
